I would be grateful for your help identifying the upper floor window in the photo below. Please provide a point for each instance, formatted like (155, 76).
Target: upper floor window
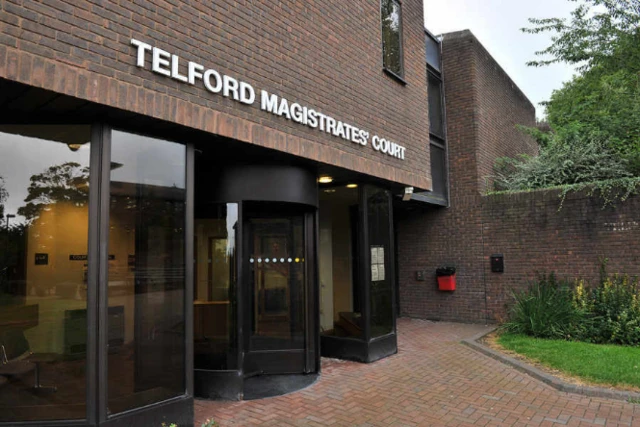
(433, 52)
(392, 37)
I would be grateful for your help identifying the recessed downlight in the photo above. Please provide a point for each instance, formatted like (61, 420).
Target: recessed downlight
(325, 179)
(352, 185)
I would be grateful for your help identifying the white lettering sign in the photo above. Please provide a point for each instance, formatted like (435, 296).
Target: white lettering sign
(167, 64)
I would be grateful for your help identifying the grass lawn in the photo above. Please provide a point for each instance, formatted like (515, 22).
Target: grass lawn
(602, 364)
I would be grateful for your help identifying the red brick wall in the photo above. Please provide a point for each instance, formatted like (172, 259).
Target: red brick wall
(536, 237)
(501, 108)
(483, 108)
(532, 234)
(324, 54)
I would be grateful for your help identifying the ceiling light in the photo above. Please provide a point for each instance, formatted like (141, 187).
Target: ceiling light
(352, 185)
(74, 147)
(325, 180)
(330, 190)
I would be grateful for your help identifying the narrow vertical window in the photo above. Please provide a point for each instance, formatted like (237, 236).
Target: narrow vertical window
(146, 285)
(392, 37)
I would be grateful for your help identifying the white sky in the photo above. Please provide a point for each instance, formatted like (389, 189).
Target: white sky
(497, 23)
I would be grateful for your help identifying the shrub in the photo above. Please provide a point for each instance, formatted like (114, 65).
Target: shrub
(606, 314)
(545, 310)
(612, 314)
(570, 157)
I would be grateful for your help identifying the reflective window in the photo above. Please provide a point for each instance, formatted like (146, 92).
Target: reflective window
(433, 52)
(146, 283)
(436, 117)
(338, 253)
(438, 171)
(380, 259)
(392, 36)
(277, 277)
(214, 311)
(44, 197)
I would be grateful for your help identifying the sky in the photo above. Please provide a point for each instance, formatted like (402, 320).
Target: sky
(497, 24)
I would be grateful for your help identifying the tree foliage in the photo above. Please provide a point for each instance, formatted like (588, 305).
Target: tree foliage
(68, 182)
(596, 31)
(570, 156)
(594, 119)
(602, 39)
(4, 195)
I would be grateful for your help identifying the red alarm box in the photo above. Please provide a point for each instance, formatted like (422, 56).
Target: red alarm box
(447, 283)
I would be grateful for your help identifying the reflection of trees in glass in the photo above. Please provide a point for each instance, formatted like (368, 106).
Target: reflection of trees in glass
(4, 195)
(391, 36)
(12, 250)
(68, 182)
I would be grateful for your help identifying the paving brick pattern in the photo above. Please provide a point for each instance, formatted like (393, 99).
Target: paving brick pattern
(432, 381)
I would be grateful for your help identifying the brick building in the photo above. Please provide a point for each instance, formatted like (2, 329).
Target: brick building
(483, 108)
(195, 196)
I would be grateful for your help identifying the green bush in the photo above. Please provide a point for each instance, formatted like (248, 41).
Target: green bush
(545, 310)
(611, 312)
(571, 156)
(606, 314)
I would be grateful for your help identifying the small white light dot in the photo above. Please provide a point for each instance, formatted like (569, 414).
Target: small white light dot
(289, 260)
(259, 259)
(281, 259)
(251, 260)
(266, 260)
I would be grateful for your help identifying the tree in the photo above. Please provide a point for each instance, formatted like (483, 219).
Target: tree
(4, 195)
(68, 182)
(602, 39)
(598, 28)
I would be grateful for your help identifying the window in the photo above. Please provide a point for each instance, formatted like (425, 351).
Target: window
(433, 52)
(392, 37)
(341, 290)
(436, 116)
(214, 310)
(146, 283)
(44, 217)
(437, 123)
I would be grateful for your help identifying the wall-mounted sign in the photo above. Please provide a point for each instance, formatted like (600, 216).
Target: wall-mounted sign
(42, 259)
(85, 257)
(377, 263)
(167, 64)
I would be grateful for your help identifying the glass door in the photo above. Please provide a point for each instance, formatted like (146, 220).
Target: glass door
(278, 291)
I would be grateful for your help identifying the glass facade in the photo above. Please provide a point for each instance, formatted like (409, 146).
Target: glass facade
(277, 275)
(340, 284)
(146, 282)
(215, 287)
(58, 280)
(380, 258)
(357, 273)
(44, 217)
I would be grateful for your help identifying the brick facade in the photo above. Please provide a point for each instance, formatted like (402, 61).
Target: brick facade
(483, 107)
(532, 233)
(322, 54)
(537, 237)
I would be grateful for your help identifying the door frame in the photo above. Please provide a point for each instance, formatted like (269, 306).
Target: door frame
(294, 361)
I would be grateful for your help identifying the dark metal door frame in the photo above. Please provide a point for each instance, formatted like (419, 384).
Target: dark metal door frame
(301, 361)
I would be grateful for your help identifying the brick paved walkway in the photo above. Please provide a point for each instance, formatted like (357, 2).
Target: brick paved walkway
(432, 381)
